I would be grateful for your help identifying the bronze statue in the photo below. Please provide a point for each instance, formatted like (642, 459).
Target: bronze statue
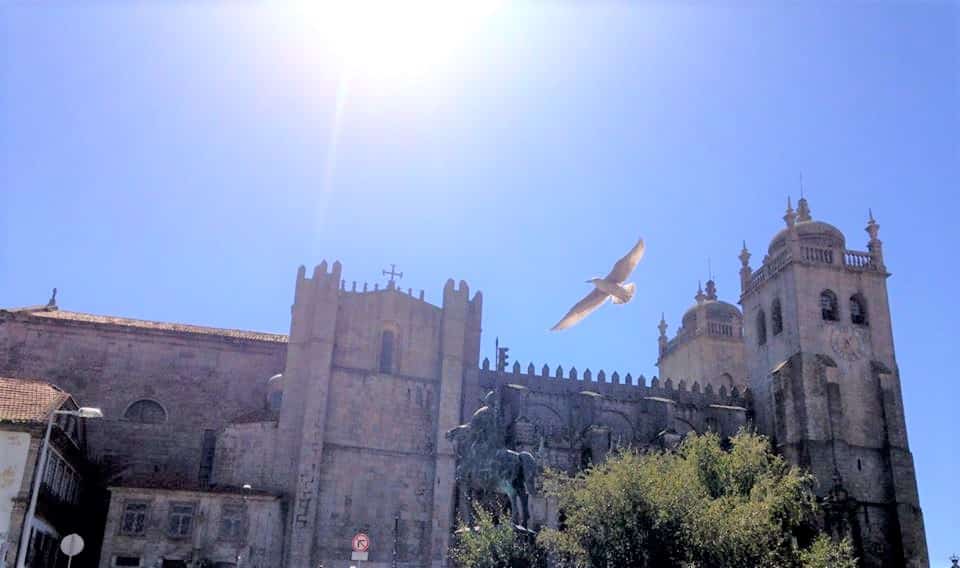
(487, 466)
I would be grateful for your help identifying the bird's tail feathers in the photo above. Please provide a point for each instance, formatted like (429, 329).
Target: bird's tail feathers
(630, 289)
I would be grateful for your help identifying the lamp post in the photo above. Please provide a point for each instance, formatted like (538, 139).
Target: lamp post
(84, 412)
(246, 491)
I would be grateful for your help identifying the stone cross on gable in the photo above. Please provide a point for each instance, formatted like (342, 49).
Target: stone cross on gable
(392, 273)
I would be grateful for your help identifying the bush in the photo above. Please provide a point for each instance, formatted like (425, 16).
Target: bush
(493, 544)
(702, 506)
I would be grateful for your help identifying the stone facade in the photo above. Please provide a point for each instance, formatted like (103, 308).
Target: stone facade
(709, 344)
(339, 426)
(200, 378)
(825, 383)
(154, 527)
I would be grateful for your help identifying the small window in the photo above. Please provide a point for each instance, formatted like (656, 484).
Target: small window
(776, 316)
(761, 328)
(208, 449)
(858, 310)
(180, 521)
(231, 521)
(134, 521)
(275, 400)
(146, 411)
(828, 306)
(124, 561)
(387, 341)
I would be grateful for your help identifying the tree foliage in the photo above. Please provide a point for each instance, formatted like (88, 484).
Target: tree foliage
(702, 506)
(493, 544)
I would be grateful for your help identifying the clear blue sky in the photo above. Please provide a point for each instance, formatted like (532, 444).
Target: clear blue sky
(177, 161)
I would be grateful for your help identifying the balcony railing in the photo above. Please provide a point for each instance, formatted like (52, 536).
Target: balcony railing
(852, 260)
(857, 259)
(817, 255)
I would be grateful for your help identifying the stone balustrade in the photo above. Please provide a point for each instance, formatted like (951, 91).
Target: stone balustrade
(852, 260)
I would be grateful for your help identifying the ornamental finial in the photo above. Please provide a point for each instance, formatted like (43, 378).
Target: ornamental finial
(873, 228)
(790, 217)
(803, 208)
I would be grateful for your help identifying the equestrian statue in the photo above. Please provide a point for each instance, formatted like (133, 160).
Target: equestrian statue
(485, 466)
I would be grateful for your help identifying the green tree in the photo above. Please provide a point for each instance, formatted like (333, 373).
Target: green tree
(824, 553)
(493, 544)
(702, 506)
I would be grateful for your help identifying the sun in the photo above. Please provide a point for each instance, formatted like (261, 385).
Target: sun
(396, 39)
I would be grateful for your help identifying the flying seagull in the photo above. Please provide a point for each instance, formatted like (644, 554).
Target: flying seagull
(611, 286)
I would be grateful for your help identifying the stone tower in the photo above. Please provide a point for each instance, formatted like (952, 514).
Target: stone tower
(708, 347)
(372, 381)
(821, 364)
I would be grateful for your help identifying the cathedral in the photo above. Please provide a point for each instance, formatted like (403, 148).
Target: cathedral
(226, 448)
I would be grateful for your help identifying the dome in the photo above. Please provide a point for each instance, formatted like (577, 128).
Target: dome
(824, 233)
(717, 310)
(816, 233)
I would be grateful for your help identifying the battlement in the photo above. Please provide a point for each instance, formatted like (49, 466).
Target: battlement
(322, 277)
(615, 386)
(365, 289)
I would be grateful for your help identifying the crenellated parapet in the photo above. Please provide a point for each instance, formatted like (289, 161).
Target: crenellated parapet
(327, 278)
(366, 289)
(615, 385)
(573, 418)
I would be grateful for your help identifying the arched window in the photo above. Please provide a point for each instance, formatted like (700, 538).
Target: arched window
(858, 310)
(146, 411)
(776, 315)
(829, 310)
(761, 328)
(387, 341)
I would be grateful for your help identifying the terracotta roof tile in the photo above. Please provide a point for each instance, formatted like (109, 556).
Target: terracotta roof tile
(159, 326)
(28, 400)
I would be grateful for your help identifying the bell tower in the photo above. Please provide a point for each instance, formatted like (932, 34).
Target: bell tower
(820, 360)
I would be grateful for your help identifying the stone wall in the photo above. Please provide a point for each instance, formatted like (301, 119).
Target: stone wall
(714, 360)
(246, 455)
(371, 383)
(258, 543)
(202, 378)
(572, 420)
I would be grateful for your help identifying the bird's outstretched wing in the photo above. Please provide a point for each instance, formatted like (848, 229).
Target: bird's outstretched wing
(624, 267)
(582, 309)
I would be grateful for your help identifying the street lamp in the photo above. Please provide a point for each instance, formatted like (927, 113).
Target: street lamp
(246, 491)
(84, 412)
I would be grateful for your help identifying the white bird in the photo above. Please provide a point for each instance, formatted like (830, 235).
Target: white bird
(611, 286)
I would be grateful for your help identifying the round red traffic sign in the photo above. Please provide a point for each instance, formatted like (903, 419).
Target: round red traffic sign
(361, 542)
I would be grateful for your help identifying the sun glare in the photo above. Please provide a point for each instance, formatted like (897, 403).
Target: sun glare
(396, 39)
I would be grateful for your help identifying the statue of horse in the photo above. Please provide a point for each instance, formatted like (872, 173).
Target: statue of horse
(484, 465)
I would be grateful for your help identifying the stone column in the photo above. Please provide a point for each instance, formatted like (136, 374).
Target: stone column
(453, 335)
(304, 410)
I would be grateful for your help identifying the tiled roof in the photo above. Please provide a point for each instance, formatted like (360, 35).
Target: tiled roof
(28, 400)
(57, 314)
